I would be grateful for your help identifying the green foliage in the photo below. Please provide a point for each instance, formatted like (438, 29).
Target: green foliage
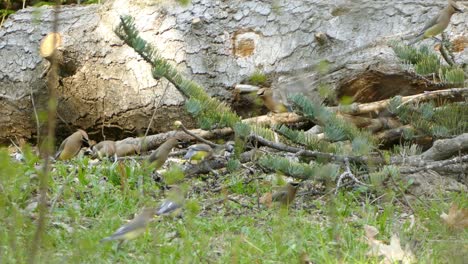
(440, 122)
(258, 79)
(174, 175)
(44, 3)
(242, 130)
(299, 170)
(264, 132)
(310, 141)
(334, 127)
(425, 62)
(209, 111)
(233, 165)
(455, 76)
(325, 229)
(184, 2)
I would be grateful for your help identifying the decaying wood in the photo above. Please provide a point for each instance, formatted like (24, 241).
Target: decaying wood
(393, 134)
(446, 148)
(441, 149)
(153, 141)
(439, 165)
(379, 106)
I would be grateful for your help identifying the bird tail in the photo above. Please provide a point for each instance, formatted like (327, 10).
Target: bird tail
(105, 239)
(417, 39)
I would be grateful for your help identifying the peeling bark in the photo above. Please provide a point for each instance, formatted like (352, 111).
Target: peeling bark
(110, 92)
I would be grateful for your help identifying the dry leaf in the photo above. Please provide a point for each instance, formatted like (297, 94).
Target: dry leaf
(392, 252)
(456, 218)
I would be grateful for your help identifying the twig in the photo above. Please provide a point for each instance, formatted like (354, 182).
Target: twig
(38, 125)
(241, 204)
(54, 201)
(448, 57)
(314, 154)
(16, 146)
(65, 122)
(155, 109)
(52, 84)
(347, 173)
(402, 194)
(188, 132)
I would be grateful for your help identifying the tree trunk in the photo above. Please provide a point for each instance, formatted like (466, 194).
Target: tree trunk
(108, 90)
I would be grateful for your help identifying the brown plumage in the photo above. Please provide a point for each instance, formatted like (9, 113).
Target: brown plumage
(72, 145)
(159, 156)
(104, 148)
(286, 194)
(267, 97)
(126, 149)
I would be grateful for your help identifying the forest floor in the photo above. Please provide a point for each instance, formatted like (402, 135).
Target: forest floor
(222, 221)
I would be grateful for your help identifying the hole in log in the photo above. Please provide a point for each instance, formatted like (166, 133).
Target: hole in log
(373, 86)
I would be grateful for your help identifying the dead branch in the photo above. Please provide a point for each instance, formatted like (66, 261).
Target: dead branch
(359, 109)
(181, 126)
(436, 165)
(279, 118)
(446, 148)
(346, 173)
(314, 154)
(393, 134)
(153, 141)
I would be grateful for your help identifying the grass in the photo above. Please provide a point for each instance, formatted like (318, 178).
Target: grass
(91, 202)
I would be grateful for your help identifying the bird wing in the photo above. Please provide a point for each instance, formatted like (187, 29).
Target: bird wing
(154, 155)
(190, 153)
(431, 23)
(131, 226)
(167, 207)
(59, 151)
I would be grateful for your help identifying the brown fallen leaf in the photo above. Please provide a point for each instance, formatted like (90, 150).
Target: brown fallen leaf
(392, 253)
(456, 218)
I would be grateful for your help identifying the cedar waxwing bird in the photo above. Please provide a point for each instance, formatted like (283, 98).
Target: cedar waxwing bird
(126, 149)
(173, 203)
(286, 194)
(104, 148)
(198, 153)
(267, 97)
(439, 23)
(72, 145)
(159, 156)
(132, 229)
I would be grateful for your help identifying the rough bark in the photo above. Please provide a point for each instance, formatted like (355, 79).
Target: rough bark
(107, 89)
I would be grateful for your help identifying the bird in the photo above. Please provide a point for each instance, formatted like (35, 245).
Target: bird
(72, 145)
(159, 156)
(286, 194)
(106, 148)
(126, 149)
(132, 229)
(439, 23)
(267, 97)
(198, 152)
(172, 205)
